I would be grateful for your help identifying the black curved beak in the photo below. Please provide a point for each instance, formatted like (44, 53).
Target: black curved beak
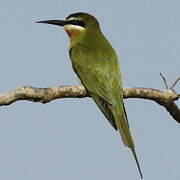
(54, 22)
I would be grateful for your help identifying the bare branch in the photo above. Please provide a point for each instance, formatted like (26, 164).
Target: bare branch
(164, 80)
(42, 95)
(165, 98)
(174, 84)
(166, 84)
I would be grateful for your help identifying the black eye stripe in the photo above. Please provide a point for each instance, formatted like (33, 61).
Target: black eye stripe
(75, 22)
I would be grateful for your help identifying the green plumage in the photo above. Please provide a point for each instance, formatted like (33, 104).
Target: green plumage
(96, 64)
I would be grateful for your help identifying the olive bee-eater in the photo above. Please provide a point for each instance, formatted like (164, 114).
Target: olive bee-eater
(96, 64)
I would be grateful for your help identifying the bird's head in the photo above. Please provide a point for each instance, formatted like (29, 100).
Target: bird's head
(76, 24)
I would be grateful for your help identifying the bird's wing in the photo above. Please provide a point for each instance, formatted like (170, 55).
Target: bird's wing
(101, 77)
(105, 108)
(98, 76)
(97, 82)
(101, 102)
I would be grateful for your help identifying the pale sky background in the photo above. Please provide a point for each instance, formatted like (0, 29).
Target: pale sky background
(70, 139)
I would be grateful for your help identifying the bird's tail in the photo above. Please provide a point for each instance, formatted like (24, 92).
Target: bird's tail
(123, 127)
(137, 162)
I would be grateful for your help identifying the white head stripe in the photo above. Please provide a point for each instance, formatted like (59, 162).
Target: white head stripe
(71, 18)
(72, 26)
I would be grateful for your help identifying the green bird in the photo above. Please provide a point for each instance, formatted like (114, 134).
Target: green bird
(96, 64)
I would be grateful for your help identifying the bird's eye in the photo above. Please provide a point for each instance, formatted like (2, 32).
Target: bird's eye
(76, 22)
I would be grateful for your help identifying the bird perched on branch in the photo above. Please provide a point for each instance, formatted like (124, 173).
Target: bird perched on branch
(96, 64)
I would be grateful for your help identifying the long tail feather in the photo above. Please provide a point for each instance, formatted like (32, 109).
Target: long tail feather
(137, 162)
(123, 126)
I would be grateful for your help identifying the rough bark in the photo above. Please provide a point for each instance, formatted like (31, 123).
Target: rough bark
(165, 98)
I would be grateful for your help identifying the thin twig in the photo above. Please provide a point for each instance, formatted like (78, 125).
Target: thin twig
(164, 80)
(174, 84)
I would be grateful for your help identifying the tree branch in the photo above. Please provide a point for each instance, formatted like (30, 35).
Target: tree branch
(164, 98)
